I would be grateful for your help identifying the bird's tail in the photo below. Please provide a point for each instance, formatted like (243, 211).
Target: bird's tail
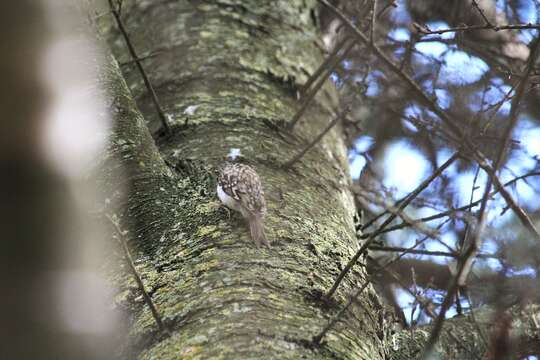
(256, 227)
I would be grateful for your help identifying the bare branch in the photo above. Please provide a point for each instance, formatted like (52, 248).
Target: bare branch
(392, 3)
(388, 220)
(482, 14)
(442, 214)
(142, 58)
(133, 53)
(426, 252)
(129, 260)
(338, 117)
(311, 95)
(516, 100)
(324, 66)
(391, 209)
(373, 22)
(424, 31)
(317, 338)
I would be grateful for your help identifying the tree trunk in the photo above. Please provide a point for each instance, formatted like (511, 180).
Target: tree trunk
(227, 75)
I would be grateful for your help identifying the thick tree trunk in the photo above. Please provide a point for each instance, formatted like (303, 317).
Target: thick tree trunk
(236, 65)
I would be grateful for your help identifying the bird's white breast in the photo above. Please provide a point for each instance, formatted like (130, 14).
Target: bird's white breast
(227, 200)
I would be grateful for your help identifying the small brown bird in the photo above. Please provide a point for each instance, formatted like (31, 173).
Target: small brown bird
(240, 189)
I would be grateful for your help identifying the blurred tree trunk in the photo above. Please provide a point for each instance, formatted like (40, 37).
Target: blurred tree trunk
(42, 316)
(31, 192)
(227, 74)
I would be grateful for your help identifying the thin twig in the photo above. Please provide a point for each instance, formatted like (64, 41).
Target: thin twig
(298, 156)
(444, 213)
(482, 14)
(136, 276)
(467, 233)
(478, 27)
(426, 252)
(419, 252)
(317, 338)
(135, 58)
(142, 58)
(518, 210)
(386, 7)
(388, 220)
(399, 257)
(373, 22)
(381, 214)
(97, 15)
(386, 211)
(367, 196)
(325, 64)
(306, 100)
(516, 100)
(119, 7)
(452, 125)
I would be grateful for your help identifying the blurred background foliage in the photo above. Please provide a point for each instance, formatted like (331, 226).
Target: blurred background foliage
(396, 141)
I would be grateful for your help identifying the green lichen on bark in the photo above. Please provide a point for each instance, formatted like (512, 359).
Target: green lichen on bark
(470, 336)
(227, 74)
(459, 340)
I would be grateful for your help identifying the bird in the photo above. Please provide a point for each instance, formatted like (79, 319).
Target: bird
(239, 188)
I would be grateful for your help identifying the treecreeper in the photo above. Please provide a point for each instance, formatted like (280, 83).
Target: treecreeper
(239, 188)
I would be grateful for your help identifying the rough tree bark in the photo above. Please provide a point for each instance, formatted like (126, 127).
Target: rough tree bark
(227, 74)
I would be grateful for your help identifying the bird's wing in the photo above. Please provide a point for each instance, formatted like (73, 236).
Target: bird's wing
(228, 181)
(250, 191)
